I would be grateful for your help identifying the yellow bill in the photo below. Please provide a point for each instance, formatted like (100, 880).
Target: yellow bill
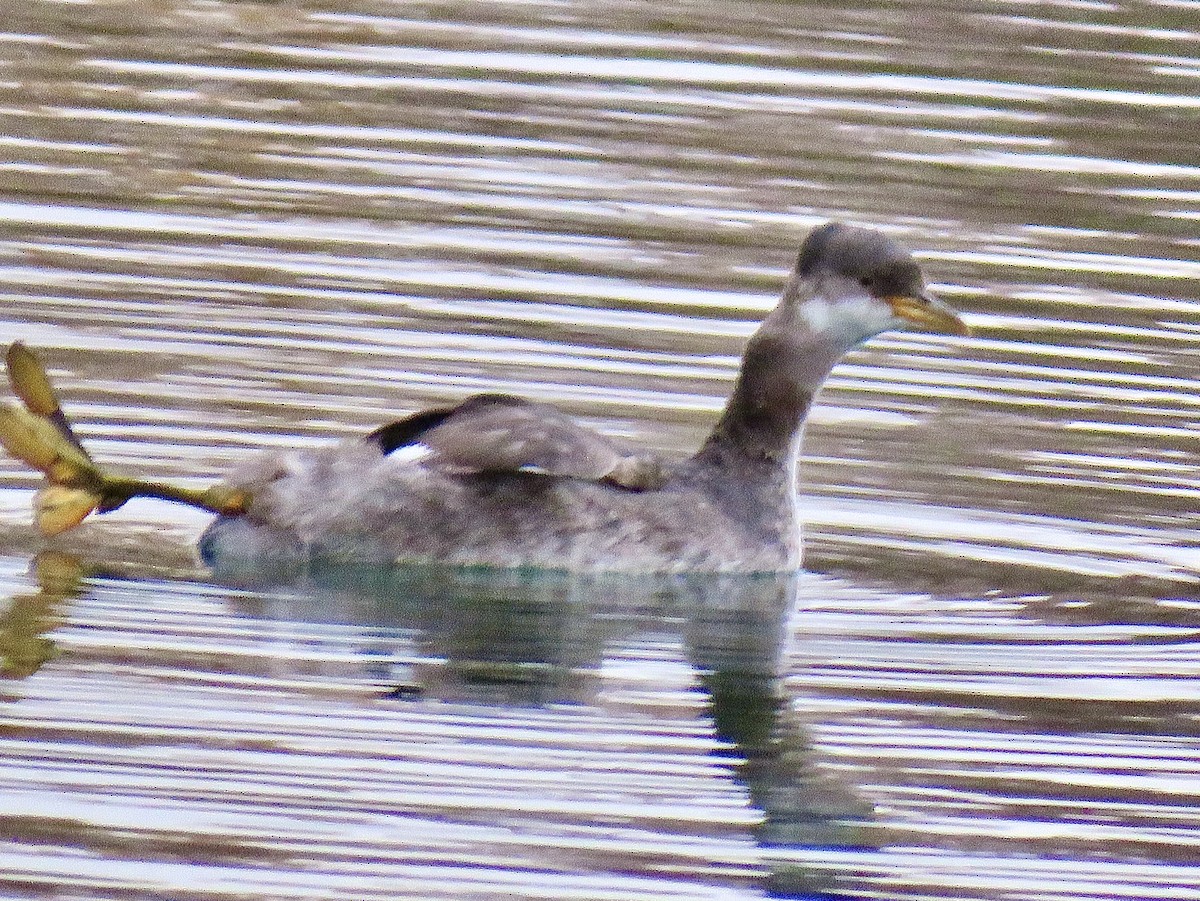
(928, 313)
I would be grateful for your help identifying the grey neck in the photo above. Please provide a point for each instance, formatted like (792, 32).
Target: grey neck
(785, 363)
(749, 461)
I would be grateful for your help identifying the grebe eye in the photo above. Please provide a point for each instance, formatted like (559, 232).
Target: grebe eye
(866, 281)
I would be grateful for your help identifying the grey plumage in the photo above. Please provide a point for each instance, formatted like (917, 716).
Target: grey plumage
(509, 482)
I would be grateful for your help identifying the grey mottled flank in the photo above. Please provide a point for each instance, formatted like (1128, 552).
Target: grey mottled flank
(730, 507)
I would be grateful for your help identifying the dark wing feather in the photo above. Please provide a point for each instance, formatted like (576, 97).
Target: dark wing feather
(502, 433)
(407, 431)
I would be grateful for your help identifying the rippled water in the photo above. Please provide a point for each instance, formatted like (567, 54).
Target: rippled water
(236, 225)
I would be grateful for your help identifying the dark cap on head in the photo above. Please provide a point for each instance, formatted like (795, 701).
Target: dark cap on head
(884, 269)
(861, 254)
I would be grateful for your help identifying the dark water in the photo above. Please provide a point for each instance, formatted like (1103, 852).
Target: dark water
(229, 226)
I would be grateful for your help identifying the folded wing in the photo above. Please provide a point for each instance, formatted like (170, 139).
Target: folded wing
(503, 433)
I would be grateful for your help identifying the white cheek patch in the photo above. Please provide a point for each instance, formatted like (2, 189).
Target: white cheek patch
(817, 314)
(849, 319)
(872, 315)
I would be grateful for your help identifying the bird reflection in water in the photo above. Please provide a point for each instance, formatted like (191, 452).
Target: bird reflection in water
(529, 638)
(526, 639)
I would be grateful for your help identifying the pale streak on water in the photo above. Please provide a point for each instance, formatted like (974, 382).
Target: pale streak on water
(237, 225)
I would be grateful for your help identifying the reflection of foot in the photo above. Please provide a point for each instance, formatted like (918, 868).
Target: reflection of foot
(24, 646)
